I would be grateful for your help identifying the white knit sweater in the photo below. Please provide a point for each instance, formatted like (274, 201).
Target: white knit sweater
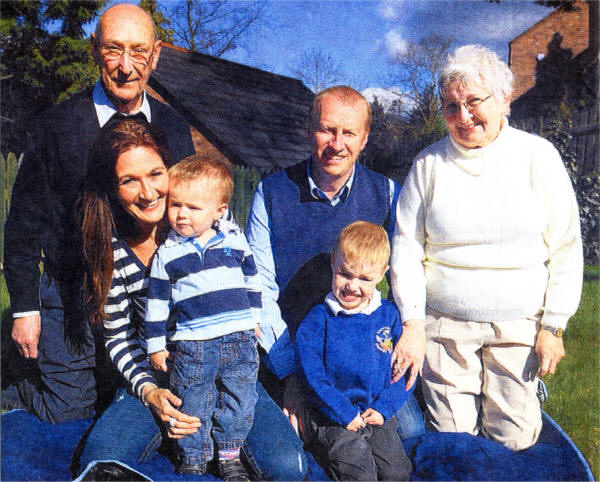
(488, 234)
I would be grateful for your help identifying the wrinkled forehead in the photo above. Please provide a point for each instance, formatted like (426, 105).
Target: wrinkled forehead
(465, 86)
(129, 27)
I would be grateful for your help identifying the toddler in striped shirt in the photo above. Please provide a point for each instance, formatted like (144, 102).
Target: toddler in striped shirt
(206, 273)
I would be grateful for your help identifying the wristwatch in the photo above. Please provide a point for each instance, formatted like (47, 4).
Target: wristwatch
(557, 332)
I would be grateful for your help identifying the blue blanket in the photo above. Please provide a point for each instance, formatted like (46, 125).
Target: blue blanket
(35, 450)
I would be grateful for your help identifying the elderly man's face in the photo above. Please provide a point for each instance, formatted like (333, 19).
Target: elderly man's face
(338, 136)
(126, 54)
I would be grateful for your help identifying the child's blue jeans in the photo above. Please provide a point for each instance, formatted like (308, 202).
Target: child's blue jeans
(216, 380)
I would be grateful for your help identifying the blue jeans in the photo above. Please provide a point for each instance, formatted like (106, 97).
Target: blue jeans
(273, 444)
(410, 419)
(216, 381)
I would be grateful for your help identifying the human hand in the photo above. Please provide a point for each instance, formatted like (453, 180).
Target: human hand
(409, 352)
(550, 350)
(257, 331)
(26, 334)
(372, 417)
(356, 424)
(293, 403)
(158, 360)
(163, 402)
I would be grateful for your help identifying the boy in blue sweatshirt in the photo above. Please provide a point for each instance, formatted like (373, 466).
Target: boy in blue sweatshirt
(206, 273)
(344, 354)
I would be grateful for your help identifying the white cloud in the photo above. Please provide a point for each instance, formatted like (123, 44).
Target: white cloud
(389, 9)
(395, 43)
(384, 96)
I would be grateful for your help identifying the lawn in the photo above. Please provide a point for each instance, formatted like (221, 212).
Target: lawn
(574, 390)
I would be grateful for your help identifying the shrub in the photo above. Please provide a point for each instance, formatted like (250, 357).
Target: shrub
(587, 190)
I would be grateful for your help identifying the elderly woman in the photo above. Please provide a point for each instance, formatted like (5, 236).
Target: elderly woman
(487, 252)
(123, 223)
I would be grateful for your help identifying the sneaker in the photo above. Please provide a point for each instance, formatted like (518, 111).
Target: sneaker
(196, 469)
(232, 469)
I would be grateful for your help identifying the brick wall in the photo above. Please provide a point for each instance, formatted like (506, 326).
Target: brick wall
(573, 34)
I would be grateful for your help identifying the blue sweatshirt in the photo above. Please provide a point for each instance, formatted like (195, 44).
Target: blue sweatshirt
(345, 360)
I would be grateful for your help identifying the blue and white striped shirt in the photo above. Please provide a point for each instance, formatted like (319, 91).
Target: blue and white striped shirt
(212, 288)
(124, 325)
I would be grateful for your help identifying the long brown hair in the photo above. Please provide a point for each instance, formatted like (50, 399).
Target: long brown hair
(101, 214)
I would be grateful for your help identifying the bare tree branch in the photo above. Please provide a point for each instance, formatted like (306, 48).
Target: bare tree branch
(213, 26)
(318, 70)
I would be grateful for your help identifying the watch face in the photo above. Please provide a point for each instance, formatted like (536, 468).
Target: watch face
(558, 332)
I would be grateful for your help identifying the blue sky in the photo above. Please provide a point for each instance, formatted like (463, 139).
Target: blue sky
(363, 35)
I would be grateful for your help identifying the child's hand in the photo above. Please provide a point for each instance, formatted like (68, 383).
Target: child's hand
(158, 360)
(357, 423)
(257, 331)
(372, 417)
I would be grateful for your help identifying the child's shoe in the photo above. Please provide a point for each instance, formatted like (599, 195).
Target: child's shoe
(232, 469)
(196, 469)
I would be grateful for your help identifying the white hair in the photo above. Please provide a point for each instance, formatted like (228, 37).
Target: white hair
(477, 65)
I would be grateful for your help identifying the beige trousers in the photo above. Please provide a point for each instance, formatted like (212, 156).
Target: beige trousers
(479, 378)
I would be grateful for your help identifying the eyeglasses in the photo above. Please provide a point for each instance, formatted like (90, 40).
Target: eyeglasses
(453, 108)
(137, 55)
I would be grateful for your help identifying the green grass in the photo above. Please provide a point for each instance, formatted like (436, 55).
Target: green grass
(574, 390)
(592, 269)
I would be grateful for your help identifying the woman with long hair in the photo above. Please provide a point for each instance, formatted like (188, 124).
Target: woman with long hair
(123, 223)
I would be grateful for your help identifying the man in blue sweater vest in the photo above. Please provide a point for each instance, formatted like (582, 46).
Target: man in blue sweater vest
(296, 216)
(344, 356)
(56, 380)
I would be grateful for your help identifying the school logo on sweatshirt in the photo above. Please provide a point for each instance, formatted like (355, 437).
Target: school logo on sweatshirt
(384, 339)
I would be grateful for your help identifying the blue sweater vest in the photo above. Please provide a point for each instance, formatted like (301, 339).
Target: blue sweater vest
(304, 231)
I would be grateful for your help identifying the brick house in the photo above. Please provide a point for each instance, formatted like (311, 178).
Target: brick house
(556, 59)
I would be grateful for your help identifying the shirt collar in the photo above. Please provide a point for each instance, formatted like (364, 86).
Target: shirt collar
(174, 238)
(336, 308)
(105, 109)
(317, 193)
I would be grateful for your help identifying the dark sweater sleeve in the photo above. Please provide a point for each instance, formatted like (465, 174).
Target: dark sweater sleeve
(395, 395)
(309, 354)
(27, 224)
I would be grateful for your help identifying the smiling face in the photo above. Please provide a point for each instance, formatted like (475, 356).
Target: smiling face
(354, 282)
(127, 28)
(479, 126)
(142, 184)
(194, 206)
(338, 135)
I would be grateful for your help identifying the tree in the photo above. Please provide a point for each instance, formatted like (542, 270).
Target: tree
(213, 26)
(318, 70)
(44, 59)
(161, 22)
(419, 65)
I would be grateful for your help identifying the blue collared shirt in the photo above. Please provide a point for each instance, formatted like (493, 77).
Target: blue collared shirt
(258, 232)
(105, 109)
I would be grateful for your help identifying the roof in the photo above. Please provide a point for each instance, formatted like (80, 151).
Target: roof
(254, 117)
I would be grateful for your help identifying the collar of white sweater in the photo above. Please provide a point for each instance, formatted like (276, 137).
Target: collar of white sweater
(474, 161)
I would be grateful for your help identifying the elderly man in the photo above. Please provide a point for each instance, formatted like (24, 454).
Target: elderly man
(49, 324)
(295, 219)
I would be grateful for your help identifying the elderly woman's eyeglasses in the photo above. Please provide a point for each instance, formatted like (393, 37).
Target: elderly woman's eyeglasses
(453, 108)
(137, 55)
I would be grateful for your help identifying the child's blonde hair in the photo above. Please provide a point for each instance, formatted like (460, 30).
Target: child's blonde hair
(364, 242)
(197, 166)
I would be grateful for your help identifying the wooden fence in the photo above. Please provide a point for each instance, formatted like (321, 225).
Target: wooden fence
(584, 131)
